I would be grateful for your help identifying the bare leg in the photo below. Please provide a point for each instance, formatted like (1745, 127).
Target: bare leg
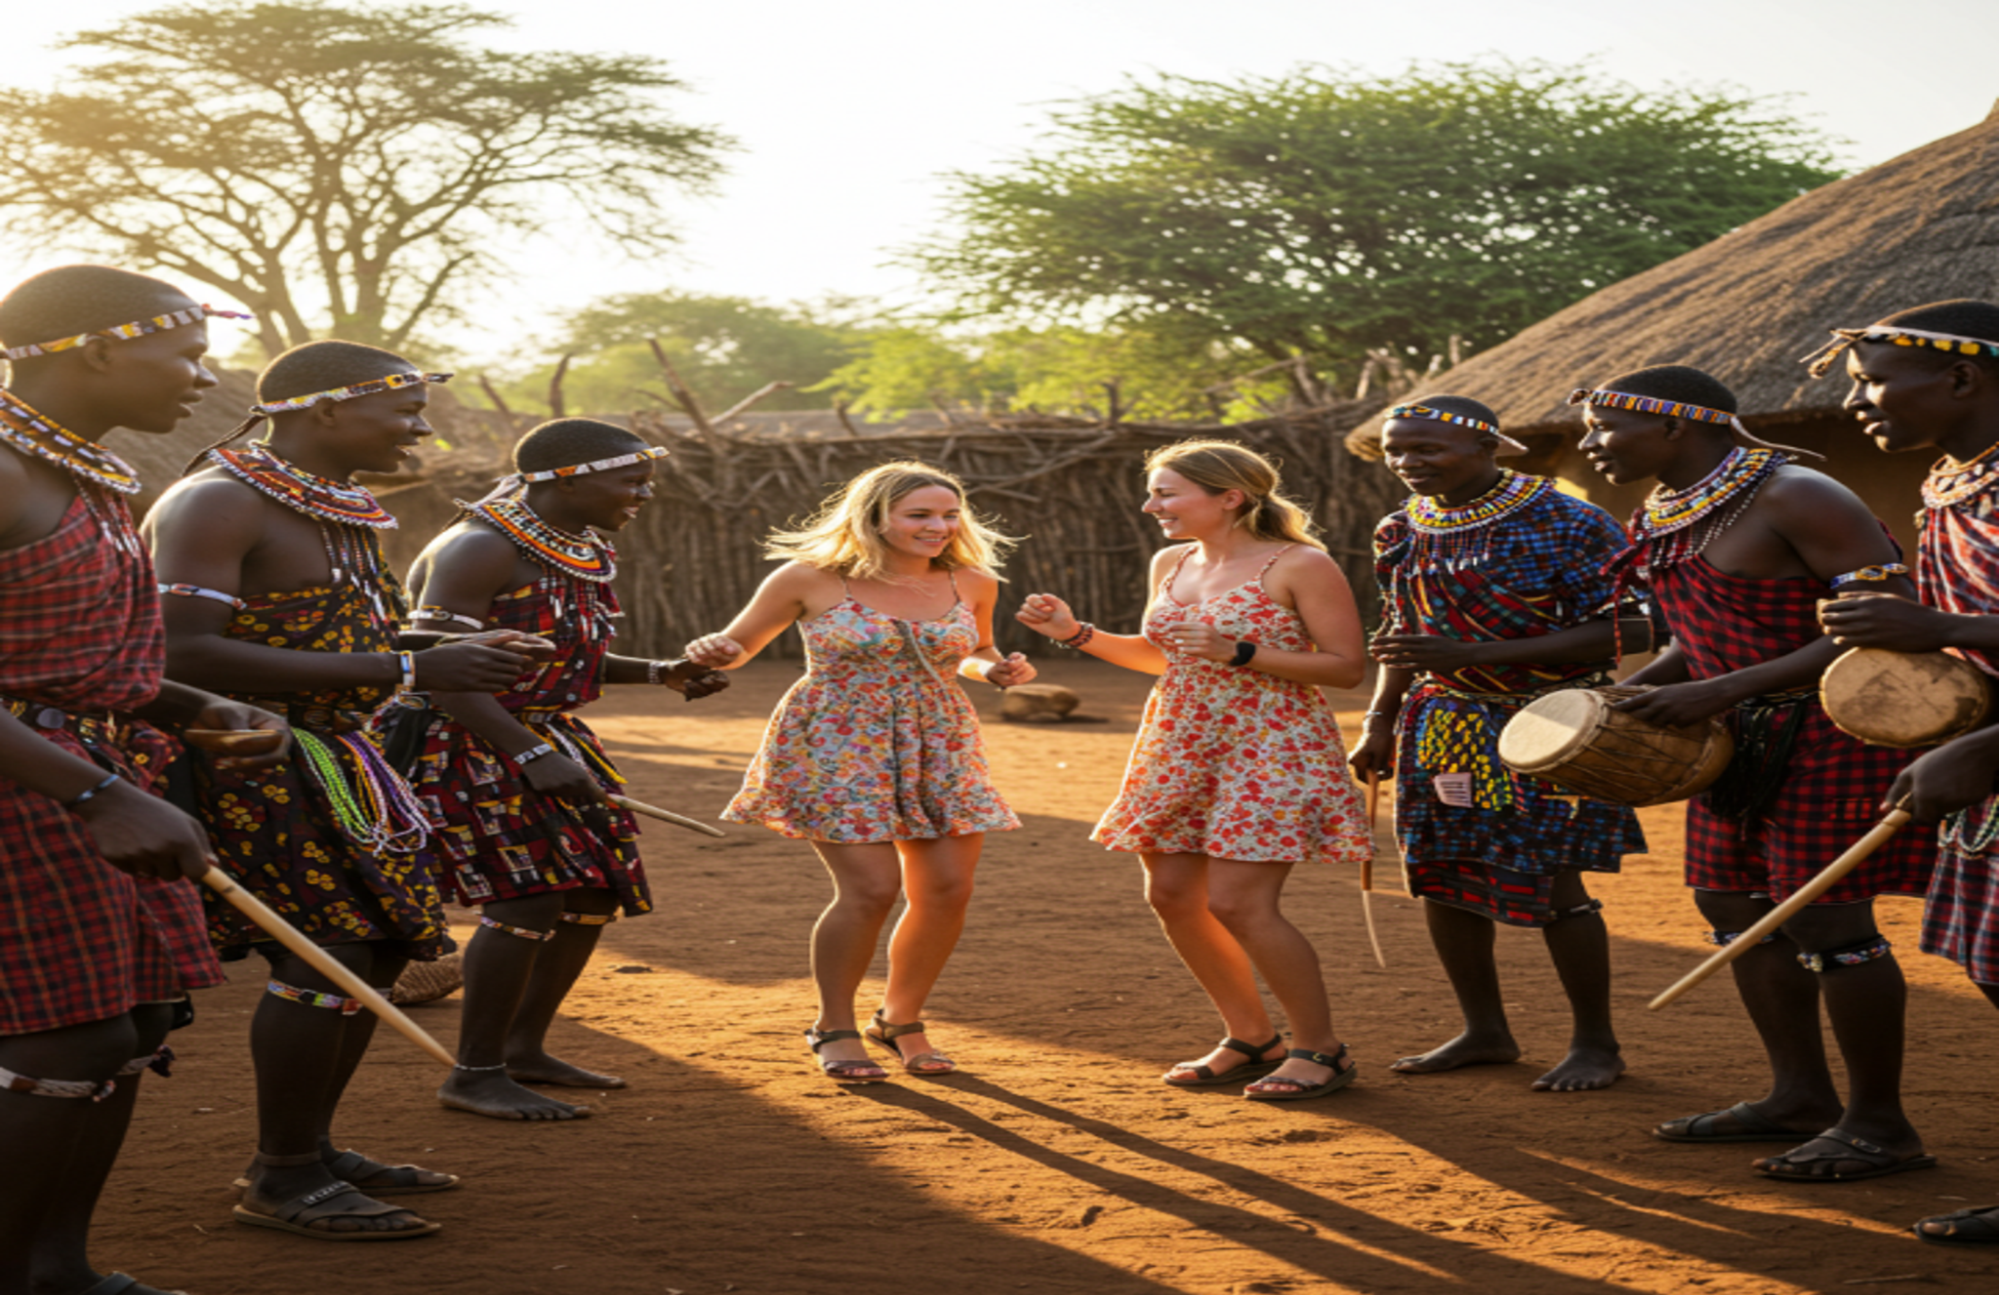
(556, 968)
(1782, 999)
(59, 1151)
(867, 878)
(297, 1050)
(1463, 941)
(1579, 944)
(498, 967)
(937, 879)
(1176, 886)
(1867, 1004)
(1245, 897)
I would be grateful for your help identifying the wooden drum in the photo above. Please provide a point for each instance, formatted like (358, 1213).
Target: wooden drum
(1892, 699)
(1574, 740)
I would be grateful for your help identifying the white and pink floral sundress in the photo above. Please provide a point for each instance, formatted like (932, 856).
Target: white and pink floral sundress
(878, 741)
(1230, 762)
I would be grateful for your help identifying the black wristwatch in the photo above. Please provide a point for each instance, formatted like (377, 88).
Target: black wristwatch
(1244, 650)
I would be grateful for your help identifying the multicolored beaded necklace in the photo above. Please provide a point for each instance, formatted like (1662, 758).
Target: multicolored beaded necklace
(1676, 525)
(586, 557)
(1447, 536)
(259, 466)
(34, 434)
(1951, 483)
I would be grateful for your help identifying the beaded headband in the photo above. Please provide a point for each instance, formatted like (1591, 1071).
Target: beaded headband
(1821, 360)
(595, 465)
(393, 382)
(1507, 445)
(137, 328)
(1681, 409)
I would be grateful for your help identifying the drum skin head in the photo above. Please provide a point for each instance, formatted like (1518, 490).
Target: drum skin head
(1892, 699)
(1550, 730)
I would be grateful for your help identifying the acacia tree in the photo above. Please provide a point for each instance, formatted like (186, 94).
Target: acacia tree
(362, 161)
(1324, 213)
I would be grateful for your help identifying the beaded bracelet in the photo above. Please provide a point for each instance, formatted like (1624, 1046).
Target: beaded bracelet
(533, 753)
(84, 796)
(1887, 571)
(407, 662)
(1078, 639)
(652, 671)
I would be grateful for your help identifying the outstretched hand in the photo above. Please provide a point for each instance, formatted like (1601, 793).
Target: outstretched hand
(1047, 615)
(692, 679)
(713, 650)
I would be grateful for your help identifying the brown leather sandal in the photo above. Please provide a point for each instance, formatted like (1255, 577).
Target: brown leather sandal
(886, 1034)
(845, 1071)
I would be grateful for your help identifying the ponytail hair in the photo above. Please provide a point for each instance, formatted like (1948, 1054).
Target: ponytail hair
(1218, 466)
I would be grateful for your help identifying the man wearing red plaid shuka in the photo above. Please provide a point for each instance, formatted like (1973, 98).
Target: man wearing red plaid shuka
(1928, 379)
(1735, 547)
(101, 932)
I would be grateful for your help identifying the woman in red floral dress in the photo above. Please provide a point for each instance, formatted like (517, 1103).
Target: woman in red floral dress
(1238, 772)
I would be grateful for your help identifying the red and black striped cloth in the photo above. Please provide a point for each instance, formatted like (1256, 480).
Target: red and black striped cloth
(1830, 791)
(81, 637)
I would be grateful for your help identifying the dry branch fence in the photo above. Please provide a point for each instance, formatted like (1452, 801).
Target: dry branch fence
(1069, 488)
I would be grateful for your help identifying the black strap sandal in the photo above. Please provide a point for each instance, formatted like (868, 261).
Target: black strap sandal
(1299, 1090)
(1257, 1065)
(886, 1034)
(843, 1071)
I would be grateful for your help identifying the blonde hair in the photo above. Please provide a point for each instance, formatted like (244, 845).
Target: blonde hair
(845, 535)
(1218, 466)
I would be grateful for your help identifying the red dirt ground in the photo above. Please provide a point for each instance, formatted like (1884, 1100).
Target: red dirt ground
(1055, 1161)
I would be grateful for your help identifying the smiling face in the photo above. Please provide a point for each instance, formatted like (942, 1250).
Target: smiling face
(1439, 459)
(1626, 446)
(1185, 510)
(150, 383)
(923, 523)
(373, 433)
(604, 501)
(1910, 398)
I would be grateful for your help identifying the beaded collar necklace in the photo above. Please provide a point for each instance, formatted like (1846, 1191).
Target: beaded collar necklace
(34, 434)
(258, 466)
(1668, 511)
(586, 556)
(1514, 491)
(1951, 482)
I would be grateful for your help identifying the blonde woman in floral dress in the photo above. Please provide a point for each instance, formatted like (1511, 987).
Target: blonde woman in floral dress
(874, 756)
(1238, 772)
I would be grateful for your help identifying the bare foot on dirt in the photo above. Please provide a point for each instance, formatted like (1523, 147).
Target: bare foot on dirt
(554, 1071)
(493, 1093)
(1463, 1051)
(1583, 1068)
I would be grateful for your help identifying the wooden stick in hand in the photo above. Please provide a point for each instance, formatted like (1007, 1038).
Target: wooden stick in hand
(1876, 838)
(296, 941)
(664, 816)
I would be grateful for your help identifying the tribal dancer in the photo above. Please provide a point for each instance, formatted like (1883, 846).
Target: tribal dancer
(100, 932)
(1493, 596)
(513, 782)
(1928, 379)
(1736, 546)
(277, 592)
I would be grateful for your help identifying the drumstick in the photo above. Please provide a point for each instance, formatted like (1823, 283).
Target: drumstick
(296, 941)
(664, 816)
(1367, 867)
(1876, 837)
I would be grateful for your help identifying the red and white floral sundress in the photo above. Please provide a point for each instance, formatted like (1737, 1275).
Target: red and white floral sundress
(1230, 762)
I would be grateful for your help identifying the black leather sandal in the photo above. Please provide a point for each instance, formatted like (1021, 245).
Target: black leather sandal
(1299, 1090)
(1257, 1065)
(848, 1071)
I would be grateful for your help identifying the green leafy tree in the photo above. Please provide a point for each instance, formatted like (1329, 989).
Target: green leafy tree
(357, 164)
(1324, 213)
(724, 347)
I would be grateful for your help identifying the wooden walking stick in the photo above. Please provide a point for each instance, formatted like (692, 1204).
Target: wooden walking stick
(295, 940)
(1367, 866)
(664, 816)
(1876, 838)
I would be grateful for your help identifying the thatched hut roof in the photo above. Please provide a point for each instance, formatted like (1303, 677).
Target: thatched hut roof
(1923, 227)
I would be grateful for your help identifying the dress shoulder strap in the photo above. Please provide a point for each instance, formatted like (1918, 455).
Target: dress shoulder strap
(1272, 561)
(1167, 584)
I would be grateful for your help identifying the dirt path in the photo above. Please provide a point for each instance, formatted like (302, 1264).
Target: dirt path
(1056, 1162)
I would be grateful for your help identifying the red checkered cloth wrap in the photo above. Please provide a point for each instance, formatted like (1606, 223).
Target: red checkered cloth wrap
(1957, 569)
(496, 838)
(79, 940)
(1831, 790)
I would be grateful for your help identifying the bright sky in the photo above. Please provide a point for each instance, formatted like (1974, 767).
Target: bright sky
(848, 113)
